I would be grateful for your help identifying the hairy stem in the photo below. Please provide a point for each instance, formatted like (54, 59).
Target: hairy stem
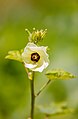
(32, 96)
(43, 88)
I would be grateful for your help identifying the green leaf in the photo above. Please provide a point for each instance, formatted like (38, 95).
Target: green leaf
(14, 55)
(59, 74)
(55, 109)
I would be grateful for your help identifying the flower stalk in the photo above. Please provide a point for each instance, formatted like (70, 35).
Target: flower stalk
(32, 97)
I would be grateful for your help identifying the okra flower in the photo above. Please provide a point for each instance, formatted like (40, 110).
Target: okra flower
(35, 57)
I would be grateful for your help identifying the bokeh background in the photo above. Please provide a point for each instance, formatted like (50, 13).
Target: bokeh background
(60, 17)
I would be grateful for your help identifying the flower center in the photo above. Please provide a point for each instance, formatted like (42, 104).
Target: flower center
(35, 57)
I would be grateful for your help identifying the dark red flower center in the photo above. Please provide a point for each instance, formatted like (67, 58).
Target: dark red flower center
(35, 57)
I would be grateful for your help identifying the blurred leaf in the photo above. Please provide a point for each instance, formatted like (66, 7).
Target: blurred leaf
(14, 55)
(59, 74)
(55, 109)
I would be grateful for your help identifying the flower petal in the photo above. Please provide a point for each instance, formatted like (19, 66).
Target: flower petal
(31, 45)
(30, 66)
(40, 69)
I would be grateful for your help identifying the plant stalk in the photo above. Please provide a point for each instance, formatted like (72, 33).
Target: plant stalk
(32, 97)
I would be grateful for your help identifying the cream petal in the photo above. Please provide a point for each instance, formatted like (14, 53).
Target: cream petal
(31, 45)
(34, 47)
(26, 56)
(40, 69)
(30, 66)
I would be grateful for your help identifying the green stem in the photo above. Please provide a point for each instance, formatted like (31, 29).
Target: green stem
(32, 96)
(43, 88)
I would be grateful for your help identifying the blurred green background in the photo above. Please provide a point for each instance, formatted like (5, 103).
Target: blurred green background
(60, 17)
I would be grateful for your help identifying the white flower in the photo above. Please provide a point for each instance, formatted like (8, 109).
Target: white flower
(35, 58)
